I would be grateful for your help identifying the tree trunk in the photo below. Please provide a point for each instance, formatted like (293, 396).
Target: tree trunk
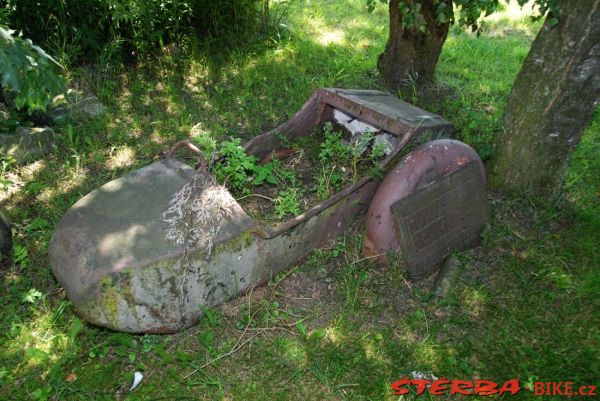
(551, 102)
(411, 55)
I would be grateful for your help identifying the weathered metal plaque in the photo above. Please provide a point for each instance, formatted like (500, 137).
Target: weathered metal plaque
(447, 214)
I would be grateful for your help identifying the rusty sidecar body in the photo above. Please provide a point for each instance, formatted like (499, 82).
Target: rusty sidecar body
(145, 253)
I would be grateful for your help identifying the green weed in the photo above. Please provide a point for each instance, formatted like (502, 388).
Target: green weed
(329, 180)
(234, 167)
(264, 174)
(333, 148)
(337, 326)
(287, 202)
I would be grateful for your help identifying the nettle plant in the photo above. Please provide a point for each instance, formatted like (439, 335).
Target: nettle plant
(239, 170)
(28, 77)
(338, 162)
(234, 167)
(287, 202)
(332, 147)
(335, 154)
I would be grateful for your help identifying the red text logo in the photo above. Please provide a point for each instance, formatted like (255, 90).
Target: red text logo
(443, 386)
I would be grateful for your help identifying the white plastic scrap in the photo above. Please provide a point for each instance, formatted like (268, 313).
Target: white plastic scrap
(137, 379)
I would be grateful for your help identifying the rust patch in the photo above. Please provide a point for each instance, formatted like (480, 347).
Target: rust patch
(164, 217)
(277, 154)
(447, 214)
(416, 170)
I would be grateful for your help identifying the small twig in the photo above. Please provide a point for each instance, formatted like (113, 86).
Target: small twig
(225, 180)
(303, 319)
(283, 295)
(237, 345)
(272, 328)
(407, 283)
(369, 257)
(258, 195)
(287, 273)
(233, 350)
(300, 152)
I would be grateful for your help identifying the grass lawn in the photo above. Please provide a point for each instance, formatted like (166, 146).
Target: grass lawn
(526, 304)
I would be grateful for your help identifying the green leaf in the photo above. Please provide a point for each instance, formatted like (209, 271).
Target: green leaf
(21, 255)
(37, 224)
(206, 338)
(262, 175)
(42, 393)
(301, 327)
(37, 355)
(160, 351)
(318, 333)
(211, 315)
(76, 328)
(32, 295)
(183, 356)
(27, 72)
(120, 351)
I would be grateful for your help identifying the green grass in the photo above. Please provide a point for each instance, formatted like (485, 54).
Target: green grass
(336, 327)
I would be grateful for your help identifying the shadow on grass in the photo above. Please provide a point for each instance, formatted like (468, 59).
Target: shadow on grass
(149, 108)
(522, 309)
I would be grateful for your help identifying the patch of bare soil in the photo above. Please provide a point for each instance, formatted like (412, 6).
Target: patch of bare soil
(302, 293)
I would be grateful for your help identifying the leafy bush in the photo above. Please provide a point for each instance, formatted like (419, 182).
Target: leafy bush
(235, 166)
(216, 18)
(333, 148)
(87, 29)
(288, 202)
(264, 174)
(27, 72)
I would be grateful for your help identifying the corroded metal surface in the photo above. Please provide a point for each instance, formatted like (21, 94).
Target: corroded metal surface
(417, 169)
(111, 253)
(145, 252)
(447, 214)
(389, 113)
(120, 270)
(377, 108)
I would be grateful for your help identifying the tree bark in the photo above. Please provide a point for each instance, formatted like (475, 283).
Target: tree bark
(551, 103)
(412, 55)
